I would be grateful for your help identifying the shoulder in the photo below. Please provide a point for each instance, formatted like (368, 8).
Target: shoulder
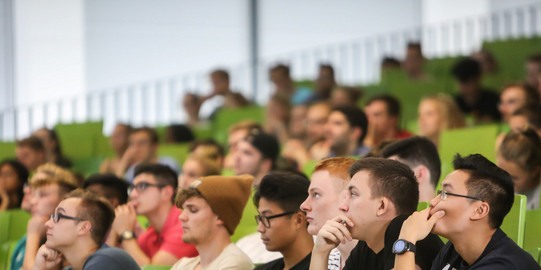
(110, 257)
(508, 255)
(233, 258)
(186, 263)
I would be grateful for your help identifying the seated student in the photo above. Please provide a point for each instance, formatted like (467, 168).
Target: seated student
(381, 195)
(533, 69)
(283, 85)
(152, 195)
(76, 232)
(327, 184)
(212, 209)
(342, 96)
(119, 144)
(53, 151)
(413, 64)
(475, 199)
(31, 153)
(436, 114)
(421, 155)
(49, 185)
(143, 148)
(281, 222)
(383, 113)
(210, 149)
(277, 116)
(109, 186)
(178, 133)
(516, 95)
(237, 133)
(520, 155)
(528, 116)
(473, 98)
(345, 131)
(195, 167)
(13, 178)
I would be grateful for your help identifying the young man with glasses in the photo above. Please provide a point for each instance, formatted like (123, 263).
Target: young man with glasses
(76, 232)
(213, 207)
(469, 211)
(382, 193)
(151, 195)
(281, 222)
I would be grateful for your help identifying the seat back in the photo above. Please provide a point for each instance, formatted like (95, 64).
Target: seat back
(532, 229)
(513, 223)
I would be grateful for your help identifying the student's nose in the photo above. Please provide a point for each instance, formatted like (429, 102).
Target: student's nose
(305, 206)
(260, 227)
(435, 201)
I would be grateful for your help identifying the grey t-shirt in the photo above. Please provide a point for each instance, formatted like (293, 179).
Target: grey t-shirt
(112, 258)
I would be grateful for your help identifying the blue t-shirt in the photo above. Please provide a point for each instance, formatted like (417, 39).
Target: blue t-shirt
(112, 258)
(17, 257)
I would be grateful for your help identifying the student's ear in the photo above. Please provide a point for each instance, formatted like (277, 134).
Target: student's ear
(168, 191)
(85, 227)
(266, 164)
(357, 132)
(481, 211)
(384, 206)
(300, 217)
(421, 174)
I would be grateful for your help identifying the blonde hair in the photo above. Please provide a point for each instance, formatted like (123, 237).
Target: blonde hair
(209, 166)
(450, 114)
(50, 173)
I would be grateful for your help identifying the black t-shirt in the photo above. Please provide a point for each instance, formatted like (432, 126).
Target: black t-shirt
(278, 264)
(485, 107)
(362, 257)
(500, 253)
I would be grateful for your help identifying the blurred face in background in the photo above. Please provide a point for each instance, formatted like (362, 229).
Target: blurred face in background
(511, 99)
(143, 148)
(191, 170)
(429, 119)
(316, 119)
(119, 139)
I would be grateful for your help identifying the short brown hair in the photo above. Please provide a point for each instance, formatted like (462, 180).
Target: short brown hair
(95, 209)
(338, 170)
(186, 194)
(532, 96)
(390, 179)
(55, 175)
(33, 143)
(220, 73)
(522, 148)
(152, 134)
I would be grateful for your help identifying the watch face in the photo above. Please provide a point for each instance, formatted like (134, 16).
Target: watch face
(399, 246)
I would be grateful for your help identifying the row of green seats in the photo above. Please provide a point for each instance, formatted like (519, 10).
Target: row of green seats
(13, 227)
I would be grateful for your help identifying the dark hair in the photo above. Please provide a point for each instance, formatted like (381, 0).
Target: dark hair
(152, 134)
(95, 209)
(392, 104)
(466, 69)
(536, 57)
(282, 69)
(417, 151)
(285, 189)
(221, 72)
(391, 61)
(327, 67)
(532, 112)
(33, 143)
(22, 176)
(489, 182)
(57, 150)
(163, 174)
(113, 186)
(390, 179)
(355, 118)
(414, 45)
(210, 143)
(180, 133)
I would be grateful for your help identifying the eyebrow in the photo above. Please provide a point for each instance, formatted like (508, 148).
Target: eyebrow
(60, 209)
(350, 188)
(266, 212)
(446, 185)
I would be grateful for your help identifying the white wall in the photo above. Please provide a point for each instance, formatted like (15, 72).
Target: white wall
(288, 26)
(135, 40)
(447, 10)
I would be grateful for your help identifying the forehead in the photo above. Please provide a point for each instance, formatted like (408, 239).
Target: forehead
(195, 201)
(321, 180)
(456, 180)
(246, 146)
(337, 116)
(268, 206)
(513, 92)
(144, 177)
(69, 205)
(139, 135)
(47, 187)
(377, 105)
(360, 180)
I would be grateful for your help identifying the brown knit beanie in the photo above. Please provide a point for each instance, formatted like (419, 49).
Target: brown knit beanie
(226, 195)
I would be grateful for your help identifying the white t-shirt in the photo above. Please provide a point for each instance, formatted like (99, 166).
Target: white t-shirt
(230, 258)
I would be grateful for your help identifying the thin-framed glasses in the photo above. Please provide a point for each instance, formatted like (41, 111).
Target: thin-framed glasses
(266, 220)
(443, 194)
(140, 187)
(57, 216)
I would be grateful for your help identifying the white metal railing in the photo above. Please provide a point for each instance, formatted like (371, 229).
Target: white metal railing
(157, 102)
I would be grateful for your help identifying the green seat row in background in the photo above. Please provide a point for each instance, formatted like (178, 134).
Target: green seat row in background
(12, 228)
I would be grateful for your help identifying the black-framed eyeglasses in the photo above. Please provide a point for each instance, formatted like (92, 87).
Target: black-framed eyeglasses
(266, 220)
(140, 187)
(443, 194)
(57, 216)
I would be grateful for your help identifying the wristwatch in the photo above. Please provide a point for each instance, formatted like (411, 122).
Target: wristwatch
(126, 235)
(401, 246)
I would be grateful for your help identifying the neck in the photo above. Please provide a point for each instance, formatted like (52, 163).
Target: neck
(211, 249)
(376, 239)
(77, 254)
(157, 218)
(345, 250)
(426, 192)
(471, 243)
(345, 149)
(300, 248)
